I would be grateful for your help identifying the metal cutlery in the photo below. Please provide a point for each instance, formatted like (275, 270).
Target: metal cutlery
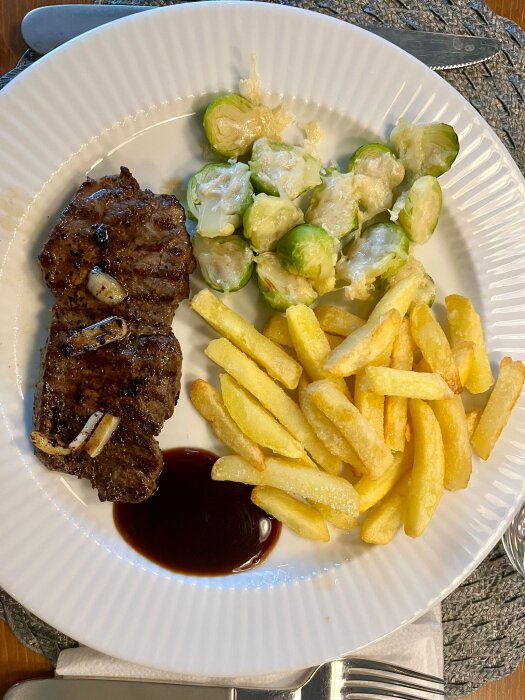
(45, 28)
(343, 679)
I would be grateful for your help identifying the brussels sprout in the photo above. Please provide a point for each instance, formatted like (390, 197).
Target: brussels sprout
(333, 205)
(232, 123)
(283, 170)
(426, 149)
(217, 196)
(307, 250)
(278, 287)
(325, 284)
(418, 209)
(426, 293)
(377, 172)
(226, 263)
(380, 252)
(267, 219)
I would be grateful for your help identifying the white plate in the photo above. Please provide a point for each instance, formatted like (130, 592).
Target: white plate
(127, 94)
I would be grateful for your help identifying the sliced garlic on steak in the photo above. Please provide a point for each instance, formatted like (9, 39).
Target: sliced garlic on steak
(102, 435)
(105, 287)
(96, 336)
(90, 425)
(48, 445)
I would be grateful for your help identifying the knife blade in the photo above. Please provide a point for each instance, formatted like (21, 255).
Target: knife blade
(46, 28)
(87, 689)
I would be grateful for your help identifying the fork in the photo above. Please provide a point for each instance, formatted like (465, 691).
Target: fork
(355, 679)
(344, 679)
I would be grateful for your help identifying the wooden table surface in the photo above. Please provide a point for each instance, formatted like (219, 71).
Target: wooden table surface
(16, 661)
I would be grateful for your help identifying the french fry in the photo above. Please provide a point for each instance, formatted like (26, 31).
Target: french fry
(208, 403)
(310, 343)
(276, 329)
(371, 491)
(255, 421)
(298, 516)
(384, 520)
(432, 341)
(399, 297)
(274, 359)
(334, 340)
(372, 406)
(337, 321)
(371, 450)
(273, 398)
(502, 400)
(396, 407)
(326, 430)
(340, 520)
(454, 431)
(401, 382)
(465, 324)
(363, 345)
(472, 421)
(463, 353)
(428, 473)
(301, 482)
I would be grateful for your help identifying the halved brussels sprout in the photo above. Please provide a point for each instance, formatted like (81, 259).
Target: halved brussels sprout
(283, 170)
(217, 196)
(418, 209)
(427, 290)
(226, 263)
(278, 287)
(425, 149)
(232, 123)
(377, 172)
(333, 205)
(380, 251)
(307, 250)
(267, 219)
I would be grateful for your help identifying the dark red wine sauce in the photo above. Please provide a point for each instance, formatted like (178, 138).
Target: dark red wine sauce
(194, 525)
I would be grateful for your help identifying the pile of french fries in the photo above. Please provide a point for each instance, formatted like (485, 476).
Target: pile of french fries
(357, 423)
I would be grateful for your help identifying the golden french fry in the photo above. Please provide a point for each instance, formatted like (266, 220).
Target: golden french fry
(337, 321)
(371, 450)
(256, 422)
(372, 406)
(208, 403)
(340, 520)
(454, 431)
(326, 430)
(333, 340)
(363, 345)
(274, 359)
(301, 482)
(465, 324)
(401, 382)
(298, 516)
(463, 353)
(396, 407)
(502, 400)
(399, 297)
(472, 421)
(276, 329)
(371, 491)
(384, 520)
(273, 398)
(428, 473)
(310, 343)
(432, 341)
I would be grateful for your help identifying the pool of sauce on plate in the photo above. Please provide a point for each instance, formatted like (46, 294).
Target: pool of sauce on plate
(194, 525)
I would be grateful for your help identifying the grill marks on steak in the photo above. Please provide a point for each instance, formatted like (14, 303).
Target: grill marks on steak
(140, 239)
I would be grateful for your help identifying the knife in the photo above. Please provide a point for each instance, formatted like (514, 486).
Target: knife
(45, 28)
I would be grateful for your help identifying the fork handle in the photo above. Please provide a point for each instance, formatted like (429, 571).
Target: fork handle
(259, 694)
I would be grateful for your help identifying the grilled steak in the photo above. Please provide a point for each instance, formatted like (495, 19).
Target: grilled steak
(140, 239)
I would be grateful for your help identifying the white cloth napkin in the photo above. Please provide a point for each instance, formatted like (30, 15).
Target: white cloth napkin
(418, 646)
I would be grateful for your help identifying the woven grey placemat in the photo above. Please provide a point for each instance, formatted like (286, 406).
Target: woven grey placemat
(484, 619)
